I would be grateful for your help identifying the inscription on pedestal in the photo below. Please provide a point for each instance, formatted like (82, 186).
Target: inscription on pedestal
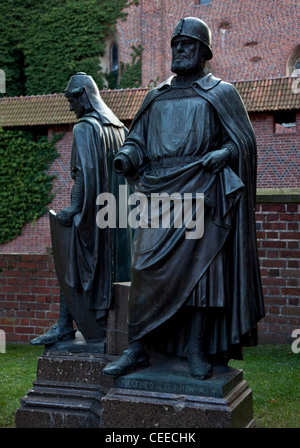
(174, 377)
(159, 386)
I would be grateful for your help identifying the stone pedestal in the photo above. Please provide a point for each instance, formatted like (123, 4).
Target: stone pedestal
(67, 392)
(165, 396)
(71, 392)
(69, 385)
(117, 328)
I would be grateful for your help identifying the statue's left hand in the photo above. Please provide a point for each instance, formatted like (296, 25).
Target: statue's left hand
(216, 160)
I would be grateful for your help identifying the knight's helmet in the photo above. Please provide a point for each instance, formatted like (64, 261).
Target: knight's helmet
(196, 29)
(81, 81)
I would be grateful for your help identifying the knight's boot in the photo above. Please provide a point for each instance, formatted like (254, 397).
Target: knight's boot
(135, 357)
(198, 363)
(61, 331)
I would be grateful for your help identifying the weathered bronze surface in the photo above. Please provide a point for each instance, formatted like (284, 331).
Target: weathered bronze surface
(196, 297)
(88, 259)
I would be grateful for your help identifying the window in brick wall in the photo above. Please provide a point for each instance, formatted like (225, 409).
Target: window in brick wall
(114, 57)
(114, 66)
(203, 2)
(285, 122)
(293, 63)
(296, 68)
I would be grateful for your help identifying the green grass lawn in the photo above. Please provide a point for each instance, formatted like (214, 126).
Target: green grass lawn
(272, 372)
(17, 373)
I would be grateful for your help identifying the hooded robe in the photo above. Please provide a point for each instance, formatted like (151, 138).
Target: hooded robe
(96, 257)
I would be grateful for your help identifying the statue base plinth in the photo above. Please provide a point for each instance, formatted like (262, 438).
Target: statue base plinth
(164, 395)
(67, 392)
(77, 345)
(71, 392)
(69, 385)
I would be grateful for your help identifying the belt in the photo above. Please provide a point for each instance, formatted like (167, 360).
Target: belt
(174, 161)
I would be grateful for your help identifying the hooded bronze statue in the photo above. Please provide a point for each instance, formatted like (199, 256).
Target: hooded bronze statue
(88, 259)
(199, 298)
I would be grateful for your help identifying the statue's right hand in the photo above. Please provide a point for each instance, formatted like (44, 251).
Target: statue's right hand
(119, 165)
(123, 165)
(65, 217)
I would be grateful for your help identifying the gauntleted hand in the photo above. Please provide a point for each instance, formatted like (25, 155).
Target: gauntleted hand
(65, 216)
(123, 165)
(216, 160)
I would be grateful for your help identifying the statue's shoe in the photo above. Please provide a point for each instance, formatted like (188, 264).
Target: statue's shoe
(129, 361)
(199, 366)
(54, 335)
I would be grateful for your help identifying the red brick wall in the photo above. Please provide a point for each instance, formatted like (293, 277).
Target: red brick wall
(278, 153)
(279, 253)
(29, 293)
(251, 40)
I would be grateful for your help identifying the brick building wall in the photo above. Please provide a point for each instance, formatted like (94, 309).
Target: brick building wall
(251, 40)
(278, 237)
(29, 295)
(278, 163)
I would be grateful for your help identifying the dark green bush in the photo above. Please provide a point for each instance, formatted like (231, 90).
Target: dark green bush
(25, 186)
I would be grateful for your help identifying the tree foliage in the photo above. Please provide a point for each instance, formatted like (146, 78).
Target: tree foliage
(11, 55)
(25, 187)
(45, 42)
(131, 74)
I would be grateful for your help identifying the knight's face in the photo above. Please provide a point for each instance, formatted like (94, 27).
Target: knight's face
(185, 52)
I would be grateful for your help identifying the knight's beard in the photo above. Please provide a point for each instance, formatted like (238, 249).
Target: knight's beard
(184, 66)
